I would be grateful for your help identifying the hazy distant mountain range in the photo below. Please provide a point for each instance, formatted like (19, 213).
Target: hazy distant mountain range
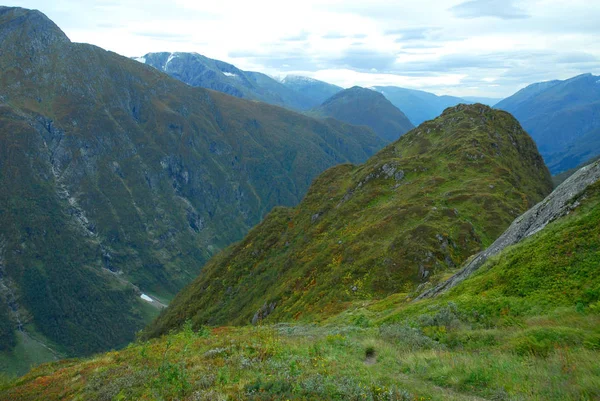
(563, 117)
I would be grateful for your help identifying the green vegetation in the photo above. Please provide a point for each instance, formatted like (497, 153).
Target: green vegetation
(525, 326)
(419, 207)
(119, 180)
(360, 106)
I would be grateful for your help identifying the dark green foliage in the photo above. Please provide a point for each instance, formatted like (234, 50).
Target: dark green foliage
(118, 180)
(525, 326)
(422, 205)
(8, 339)
(360, 106)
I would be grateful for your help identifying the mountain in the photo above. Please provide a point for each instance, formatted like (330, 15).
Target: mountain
(424, 204)
(315, 90)
(559, 203)
(524, 327)
(563, 117)
(118, 180)
(419, 106)
(360, 106)
(489, 101)
(197, 70)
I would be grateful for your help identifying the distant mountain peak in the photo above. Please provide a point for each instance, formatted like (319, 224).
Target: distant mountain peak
(362, 106)
(19, 25)
(298, 78)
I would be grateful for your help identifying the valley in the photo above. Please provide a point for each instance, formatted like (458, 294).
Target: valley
(357, 212)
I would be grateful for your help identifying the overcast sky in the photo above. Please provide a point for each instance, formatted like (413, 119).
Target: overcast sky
(465, 48)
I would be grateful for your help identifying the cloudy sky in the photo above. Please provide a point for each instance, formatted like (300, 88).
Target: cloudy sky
(465, 48)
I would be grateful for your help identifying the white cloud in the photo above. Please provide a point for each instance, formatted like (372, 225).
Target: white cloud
(446, 46)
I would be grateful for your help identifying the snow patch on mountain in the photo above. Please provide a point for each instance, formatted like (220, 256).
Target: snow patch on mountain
(171, 57)
(140, 59)
(229, 74)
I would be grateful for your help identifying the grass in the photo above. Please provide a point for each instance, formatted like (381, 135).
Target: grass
(419, 207)
(390, 362)
(514, 330)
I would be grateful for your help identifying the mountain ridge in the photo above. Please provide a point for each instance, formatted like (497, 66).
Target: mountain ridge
(360, 106)
(563, 117)
(394, 222)
(121, 181)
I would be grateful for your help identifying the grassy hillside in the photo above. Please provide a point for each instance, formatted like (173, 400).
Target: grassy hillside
(419, 207)
(525, 327)
(360, 106)
(118, 180)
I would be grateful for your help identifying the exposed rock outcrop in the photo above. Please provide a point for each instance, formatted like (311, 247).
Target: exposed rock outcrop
(559, 203)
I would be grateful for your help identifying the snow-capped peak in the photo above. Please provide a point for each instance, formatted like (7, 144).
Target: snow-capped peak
(140, 59)
(297, 78)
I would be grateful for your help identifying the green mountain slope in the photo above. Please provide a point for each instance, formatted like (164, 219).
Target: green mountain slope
(360, 106)
(525, 326)
(419, 106)
(422, 205)
(118, 180)
(563, 117)
(313, 89)
(197, 70)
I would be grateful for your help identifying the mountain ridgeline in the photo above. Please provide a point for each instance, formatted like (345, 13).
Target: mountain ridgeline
(536, 303)
(360, 106)
(563, 117)
(119, 180)
(197, 70)
(422, 205)
(419, 106)
(313, 89)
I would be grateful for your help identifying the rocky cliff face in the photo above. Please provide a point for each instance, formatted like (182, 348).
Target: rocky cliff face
(559, 203)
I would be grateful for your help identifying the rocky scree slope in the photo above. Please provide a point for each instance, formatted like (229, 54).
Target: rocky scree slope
(118, 180)
(425, 203)
(360, 106)
(525, 326)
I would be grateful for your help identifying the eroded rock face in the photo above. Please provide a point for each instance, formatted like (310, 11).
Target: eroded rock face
(559, 203)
